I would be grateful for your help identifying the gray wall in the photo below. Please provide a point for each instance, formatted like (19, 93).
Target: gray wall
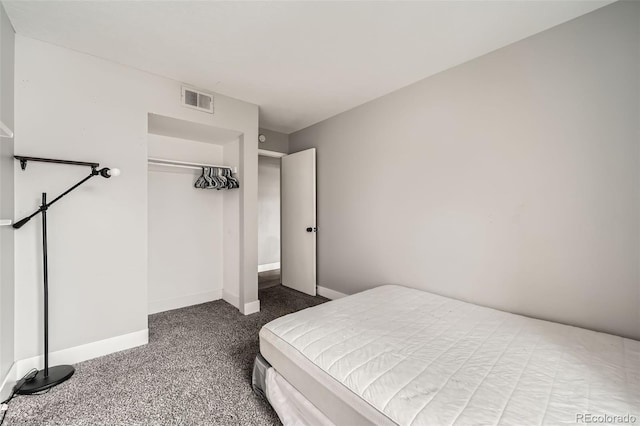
(511, 181)
(268, 210)
(7, 43)
(276, 141)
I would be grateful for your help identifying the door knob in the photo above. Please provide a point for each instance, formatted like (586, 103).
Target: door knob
(310, 229)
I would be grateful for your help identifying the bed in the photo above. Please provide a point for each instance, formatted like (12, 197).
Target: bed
(394, 355)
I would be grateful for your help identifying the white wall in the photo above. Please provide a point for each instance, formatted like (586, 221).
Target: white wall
(186, 248)
(512, 181)
(78, 107)
(268, 210)
(7, 38)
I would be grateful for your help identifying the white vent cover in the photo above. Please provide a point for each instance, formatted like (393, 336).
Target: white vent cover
(196, 99)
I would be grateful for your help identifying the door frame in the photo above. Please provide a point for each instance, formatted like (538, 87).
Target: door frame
(273, 154)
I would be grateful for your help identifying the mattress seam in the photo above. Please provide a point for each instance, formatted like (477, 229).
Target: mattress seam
(380, 354)
(504, 408)
(362, 346)
(404, 359)
(436, 358)
(555, 376)
(462, 365)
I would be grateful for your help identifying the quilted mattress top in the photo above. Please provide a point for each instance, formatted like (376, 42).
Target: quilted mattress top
(425, 359)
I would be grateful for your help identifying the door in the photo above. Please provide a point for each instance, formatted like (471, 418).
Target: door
(298, 216)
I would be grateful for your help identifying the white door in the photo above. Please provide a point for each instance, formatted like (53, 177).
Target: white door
(298, 216)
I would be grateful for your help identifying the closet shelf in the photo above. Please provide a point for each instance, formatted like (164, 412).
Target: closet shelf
(186, 164)
(5, 131)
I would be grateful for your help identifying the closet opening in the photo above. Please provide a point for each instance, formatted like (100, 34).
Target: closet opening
(269, 246)
(193, 232)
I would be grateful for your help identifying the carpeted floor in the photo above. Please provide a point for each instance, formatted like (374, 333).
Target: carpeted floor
(196, 370)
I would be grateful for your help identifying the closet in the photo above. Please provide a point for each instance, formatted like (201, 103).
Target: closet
(192, 218)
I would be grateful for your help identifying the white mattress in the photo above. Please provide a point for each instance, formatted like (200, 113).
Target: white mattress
(417, 358)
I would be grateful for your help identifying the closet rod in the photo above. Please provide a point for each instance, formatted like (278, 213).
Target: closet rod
(185, 164)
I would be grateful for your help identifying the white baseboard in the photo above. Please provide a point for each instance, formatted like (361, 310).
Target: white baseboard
(8, 382)
(268, 267)
(231, 299)
(251, 307)
(84, 352)
(330, 294)
(162, 305)
(246, 309)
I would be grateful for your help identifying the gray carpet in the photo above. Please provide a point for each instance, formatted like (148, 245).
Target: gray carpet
(196, 370)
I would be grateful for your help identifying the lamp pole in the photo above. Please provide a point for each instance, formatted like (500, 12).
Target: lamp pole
(49, 377)
(45, 273)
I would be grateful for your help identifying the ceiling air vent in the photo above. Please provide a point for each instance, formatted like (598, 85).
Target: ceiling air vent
(196, 99)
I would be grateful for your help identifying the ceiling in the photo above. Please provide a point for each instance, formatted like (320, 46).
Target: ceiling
(302, 62)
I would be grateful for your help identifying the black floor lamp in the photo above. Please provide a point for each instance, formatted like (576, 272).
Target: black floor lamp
(49, 377)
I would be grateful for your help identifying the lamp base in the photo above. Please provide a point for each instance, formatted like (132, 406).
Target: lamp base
(57, 375)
